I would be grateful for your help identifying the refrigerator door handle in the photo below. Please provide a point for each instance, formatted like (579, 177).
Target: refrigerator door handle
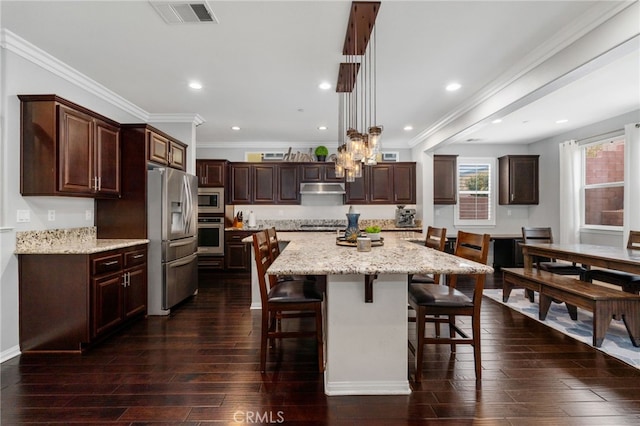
(186, 204)
(187, 261)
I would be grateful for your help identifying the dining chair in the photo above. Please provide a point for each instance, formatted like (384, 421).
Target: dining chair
(629, 282)
(436, 239)
(274, 252)
(441, 304)
(287, 299)
(545, 235)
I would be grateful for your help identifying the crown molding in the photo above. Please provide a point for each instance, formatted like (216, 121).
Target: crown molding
(195, 119)
(16, 44)
(34, 54)
(582, 25)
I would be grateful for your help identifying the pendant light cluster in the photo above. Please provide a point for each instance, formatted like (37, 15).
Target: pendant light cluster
(359, 133)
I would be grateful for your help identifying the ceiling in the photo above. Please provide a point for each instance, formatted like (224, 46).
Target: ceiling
(261, 65)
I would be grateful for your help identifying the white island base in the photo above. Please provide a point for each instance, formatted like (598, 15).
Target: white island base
(366, 343)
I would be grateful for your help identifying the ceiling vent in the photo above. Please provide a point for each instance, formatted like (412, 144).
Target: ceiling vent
(185, 12)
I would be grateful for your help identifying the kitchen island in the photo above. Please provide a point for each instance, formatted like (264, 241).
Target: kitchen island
(366, 304)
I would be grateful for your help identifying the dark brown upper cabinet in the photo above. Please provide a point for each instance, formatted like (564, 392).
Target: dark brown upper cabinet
(164, 150)
(319, 172)
(444, 179)
(385, 183)
(67, 149)
(518, 179)
(263, 183)
(288, 184)
(240, 183)
(211, 173)
(404, 183)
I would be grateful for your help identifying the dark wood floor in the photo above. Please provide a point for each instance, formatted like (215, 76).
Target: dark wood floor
(201, 366)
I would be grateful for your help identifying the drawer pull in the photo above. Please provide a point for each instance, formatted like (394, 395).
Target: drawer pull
(138, 256)
(113, 262)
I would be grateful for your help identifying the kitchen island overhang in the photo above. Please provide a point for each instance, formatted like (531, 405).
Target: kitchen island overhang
(366, 343)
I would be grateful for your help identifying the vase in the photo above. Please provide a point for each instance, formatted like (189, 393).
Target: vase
(352, 230)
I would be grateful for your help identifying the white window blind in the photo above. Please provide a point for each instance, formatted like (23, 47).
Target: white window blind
(476, 204)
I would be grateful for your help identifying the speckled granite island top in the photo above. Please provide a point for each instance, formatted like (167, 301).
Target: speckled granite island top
(317, 254)
(68, 241)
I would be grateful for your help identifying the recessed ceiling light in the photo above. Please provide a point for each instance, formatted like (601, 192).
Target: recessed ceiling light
(235, 128)
(497, 120)
(322, 127)
(324, 85)
(195, 85)
(407, 128)
(452, 87)
(564, 120)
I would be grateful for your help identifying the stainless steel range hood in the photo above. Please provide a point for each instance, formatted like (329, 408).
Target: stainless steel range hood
(322, 188)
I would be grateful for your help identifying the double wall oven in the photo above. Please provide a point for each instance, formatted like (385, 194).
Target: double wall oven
(210, 226)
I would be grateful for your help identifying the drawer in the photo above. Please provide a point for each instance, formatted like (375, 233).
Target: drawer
(211, 262)
(107, 263)
(236, 235)
(133, 258)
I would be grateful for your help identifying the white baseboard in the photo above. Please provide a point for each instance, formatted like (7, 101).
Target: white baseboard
(9, 353)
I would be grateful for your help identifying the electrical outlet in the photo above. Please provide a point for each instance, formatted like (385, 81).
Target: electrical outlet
(23, 216)
(88, 214)
(51, 215)
(509, 212)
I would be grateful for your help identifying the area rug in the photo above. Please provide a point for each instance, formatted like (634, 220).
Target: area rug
(616, 343)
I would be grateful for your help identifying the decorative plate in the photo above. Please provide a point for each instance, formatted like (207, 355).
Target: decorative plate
(342, 241)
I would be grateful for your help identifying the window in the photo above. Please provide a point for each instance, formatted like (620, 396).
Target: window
(476, 199)
(603, 182)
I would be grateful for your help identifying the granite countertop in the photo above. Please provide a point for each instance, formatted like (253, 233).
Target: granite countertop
(312, 225)
(69, 241)
(318, 254)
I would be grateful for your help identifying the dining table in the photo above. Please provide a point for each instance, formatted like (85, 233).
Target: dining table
(366, 309)
(589, 255)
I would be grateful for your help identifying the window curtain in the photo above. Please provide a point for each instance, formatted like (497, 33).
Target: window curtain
(570, 172)
(632, 180)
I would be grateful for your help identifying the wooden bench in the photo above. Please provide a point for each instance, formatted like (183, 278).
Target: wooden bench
(605, 303)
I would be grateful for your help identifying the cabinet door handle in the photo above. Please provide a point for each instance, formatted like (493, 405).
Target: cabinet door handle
(512, 197)
(124, 279)
(113, 262)
(128, 279)
(99, 183)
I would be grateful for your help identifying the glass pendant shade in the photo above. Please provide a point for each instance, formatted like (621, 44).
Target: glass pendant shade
(350, 175)
(339, 171)
(357, 169)
(375, 132)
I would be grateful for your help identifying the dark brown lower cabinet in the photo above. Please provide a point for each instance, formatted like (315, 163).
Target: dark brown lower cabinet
(69, 301)
(237, 255)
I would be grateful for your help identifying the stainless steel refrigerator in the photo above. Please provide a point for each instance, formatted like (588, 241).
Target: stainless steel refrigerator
(172, 220)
